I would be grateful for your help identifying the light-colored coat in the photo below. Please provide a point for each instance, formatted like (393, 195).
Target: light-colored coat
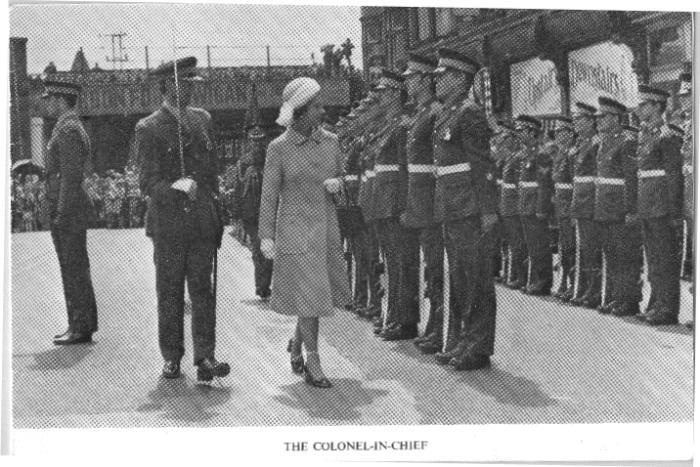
(296, 211)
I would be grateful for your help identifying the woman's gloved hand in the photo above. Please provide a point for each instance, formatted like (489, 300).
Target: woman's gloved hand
(267, 247)
(332, 185)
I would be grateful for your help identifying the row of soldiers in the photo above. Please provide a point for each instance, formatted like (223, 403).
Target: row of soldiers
(443, 176)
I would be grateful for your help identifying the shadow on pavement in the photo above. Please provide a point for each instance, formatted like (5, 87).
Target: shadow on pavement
(185, 400)
(339, 403)
(258, 303)
(507, 389)
(679, 329)
(60, 358)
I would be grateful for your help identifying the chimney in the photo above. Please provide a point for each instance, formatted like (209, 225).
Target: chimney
(19, 105)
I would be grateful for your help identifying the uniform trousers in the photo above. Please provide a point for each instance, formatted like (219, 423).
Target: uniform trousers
(433, 254)
(71, 249)
(401, 249)
(663, 262)
(262, 265)
(567, 253)
(365, 252)
(470, 255)
(177, 260)
(517, 253)
(589, 250)
(539, 253)
(622, 246)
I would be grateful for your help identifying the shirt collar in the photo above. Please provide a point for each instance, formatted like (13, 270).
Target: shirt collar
(299, 140)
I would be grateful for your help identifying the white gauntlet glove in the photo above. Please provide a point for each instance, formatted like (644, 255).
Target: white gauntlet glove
(267, 247)
(187, 186)
(332, 185)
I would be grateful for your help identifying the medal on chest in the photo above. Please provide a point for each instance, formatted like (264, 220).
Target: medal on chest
(448, 135)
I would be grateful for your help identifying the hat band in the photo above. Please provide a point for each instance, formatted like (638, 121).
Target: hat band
(456, 64)
(419, 67)
(52, 89)
(648, 96)
(608, 109)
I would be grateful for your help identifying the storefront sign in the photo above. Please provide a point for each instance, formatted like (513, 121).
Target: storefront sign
(534, 88)
(602, 70)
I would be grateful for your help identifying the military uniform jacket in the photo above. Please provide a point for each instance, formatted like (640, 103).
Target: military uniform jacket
(563, 178)
(68, 161)
(585, 169)
(352, 172)
(173, 216)
(660, 182)
(687, 153)
(616, 179)
(421, 171)
(368, 176)
(465, 184)
(391, 182)
(510, 173)
(535, 186)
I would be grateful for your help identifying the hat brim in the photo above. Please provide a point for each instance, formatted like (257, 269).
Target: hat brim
(439, 70)
(195, 79)
(410, 72)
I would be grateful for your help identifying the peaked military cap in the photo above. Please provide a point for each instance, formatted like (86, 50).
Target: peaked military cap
(255, 132)
(527, 121)
(52, 88)
(451, 59)
(648, 93)
(506, 125)
(584, 110)
(631, 128)
(611, 106)
(562, 122)
(676, 130)
(186, 70)
(419, 64)
(390, 79)
(686, 80)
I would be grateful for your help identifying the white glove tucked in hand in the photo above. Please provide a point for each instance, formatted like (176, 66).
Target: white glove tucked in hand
(332, 185)
(187, 186)
(267, 248)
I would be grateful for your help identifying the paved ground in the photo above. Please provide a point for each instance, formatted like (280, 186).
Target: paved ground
(553, 363)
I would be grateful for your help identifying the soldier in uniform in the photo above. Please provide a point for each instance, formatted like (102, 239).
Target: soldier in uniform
(562, 176)
(179, 173)
(615, 184)
(68, 164)
(659, 205)
(535, 204)
(465, 202)
(588, 251)
(686, 101)
(400, 244)
(421, 192)
(508, 209)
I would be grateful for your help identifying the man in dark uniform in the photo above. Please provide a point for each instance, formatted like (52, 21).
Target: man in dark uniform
(686, 101)
(179, 172)
(508, 209)
(562, 176)
(535, 204)
(588, 248)
(401, 245)
(616, 182)
(421, 192)
(68, 165)
(659, 205)
(248, 206)
(465, 202)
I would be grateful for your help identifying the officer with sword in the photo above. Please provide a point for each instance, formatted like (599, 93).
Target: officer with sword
(179, 173)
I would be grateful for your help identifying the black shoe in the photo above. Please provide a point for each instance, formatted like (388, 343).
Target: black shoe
(68, 331)
(661, 318)
(605, 309)
(381, 330)
(296, 361)
(322, 383)
(432, 346)
(171, 369)
(401, 333)
(470, 362)
(625, 309)
(209, 367)
(515, 284)
(72, 338)
(443, 358)
(538, 292)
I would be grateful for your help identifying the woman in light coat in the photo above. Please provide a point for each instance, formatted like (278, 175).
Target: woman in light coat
(298, 225)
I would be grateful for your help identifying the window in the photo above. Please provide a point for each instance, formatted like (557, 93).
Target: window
(424, 23)
(444, 21)
(373, 31)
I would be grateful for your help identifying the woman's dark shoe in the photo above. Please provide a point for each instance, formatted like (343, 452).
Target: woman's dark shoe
(208, 368)
(297, 361)
(171, 369)
(317, 383)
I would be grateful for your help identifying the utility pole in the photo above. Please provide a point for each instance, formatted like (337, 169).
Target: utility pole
(208, 58)
(268, 57)
(147, 68)
(117, 47)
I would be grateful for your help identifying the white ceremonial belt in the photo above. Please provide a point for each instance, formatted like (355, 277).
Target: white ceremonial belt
(499, 181)
(609, 181)
(587, 179)
(364, 179)
(421, 168)
(511, 186)
(351, 178)
(453, 169)
(370, 174)
(687, 169)
(652, 173)
(564, 186)
(528, 184)
(386, 168)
